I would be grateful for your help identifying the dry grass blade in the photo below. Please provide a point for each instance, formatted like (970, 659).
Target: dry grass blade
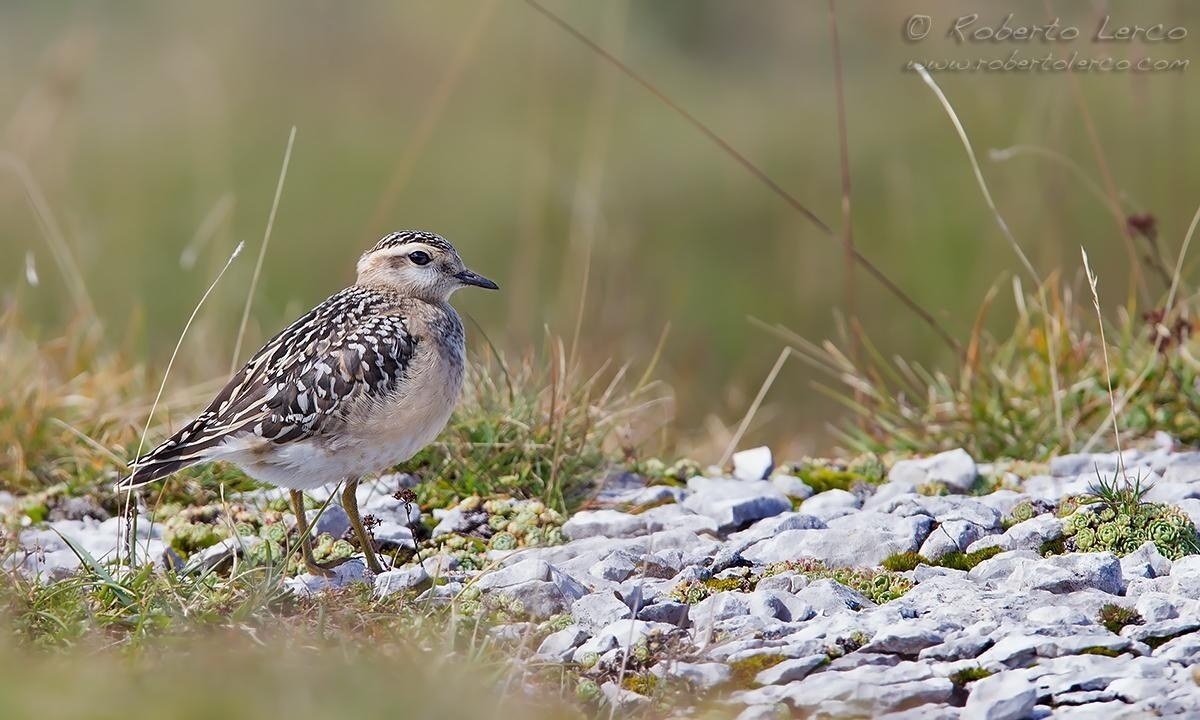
(1137, 283)
(754, 170)
(1092, 282)
(262, 252)
(844, 165)
(129, 493)
(1012, 240)
(53, 234)
(754, 406)
(983, 188)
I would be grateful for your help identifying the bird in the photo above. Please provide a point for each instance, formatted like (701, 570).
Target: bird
(358, 384)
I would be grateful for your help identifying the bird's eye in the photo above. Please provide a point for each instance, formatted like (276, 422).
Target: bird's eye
(419, 257)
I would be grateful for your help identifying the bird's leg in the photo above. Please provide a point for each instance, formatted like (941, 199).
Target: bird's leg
(350, 505)
(306, 548)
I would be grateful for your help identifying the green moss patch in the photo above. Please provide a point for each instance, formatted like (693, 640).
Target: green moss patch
(745, 670)
(1114, 617)
(965, 561)
(880, 586)
(969, 675)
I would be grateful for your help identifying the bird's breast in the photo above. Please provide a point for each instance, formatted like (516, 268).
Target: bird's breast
(398, 425)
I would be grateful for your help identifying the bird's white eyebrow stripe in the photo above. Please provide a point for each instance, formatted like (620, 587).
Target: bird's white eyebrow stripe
(408, 249)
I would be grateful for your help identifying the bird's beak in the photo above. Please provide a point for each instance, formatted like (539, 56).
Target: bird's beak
(466, 277)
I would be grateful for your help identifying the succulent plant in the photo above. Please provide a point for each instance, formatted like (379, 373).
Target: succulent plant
(1024, 510)
(1121, 530)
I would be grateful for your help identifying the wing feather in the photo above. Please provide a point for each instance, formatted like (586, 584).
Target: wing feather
(353, 347)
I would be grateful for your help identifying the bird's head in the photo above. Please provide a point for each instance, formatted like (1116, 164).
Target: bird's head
(419, 264)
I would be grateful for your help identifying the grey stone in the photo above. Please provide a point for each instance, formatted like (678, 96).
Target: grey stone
(1076, 571)
(1011, 651)
(1156, 606)
(888, 673)
(77, 508)
(788, 582)
(353, 570)
(946, 509)
(626, 633)
(791, 670)
(603, 523)
(1161, 630)
(667, 611)
(1052, 489)
(1184, 650)
(833, 694)
(955, 468)
(640, 592)
(653, 495)
(1055, 616)
(1070, 465)
(735, 503)
(831, 504)
(216, 555)
(681, 521)
(1072, 673)
(597, 610)
(625, 701)
(950, 536)
(542, 599)
(1169, 493)
(519, 572)
(753, 464)
(1191, 507)
(377, 500)
(664, 564)
(443, 593)
(859, 659)
(1003, 696)
(829, 597)
(1003, 501)
(618, 566)
(699, 675)
(560, 645)
(907, 637)
(928, 711)
(774, 711)
(772, 526)
(779, 605)
(888, 493)
(405, 578)
(1183, 468)
(390, 535)
(456, 520)
(511, 632)
(1185, 576)
(716, 607)
(962, 645)
(1146, 561)
(1075, 644)
(1090, 464)
(996, 570)
(332, 519)
(865, 538)
(792, 486)
(1027, 535)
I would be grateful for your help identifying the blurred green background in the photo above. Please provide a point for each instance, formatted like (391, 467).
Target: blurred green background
(156, 132)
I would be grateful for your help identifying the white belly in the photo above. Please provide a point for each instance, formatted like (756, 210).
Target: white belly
(305, 465)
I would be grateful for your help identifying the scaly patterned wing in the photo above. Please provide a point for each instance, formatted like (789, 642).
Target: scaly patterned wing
(299, 383)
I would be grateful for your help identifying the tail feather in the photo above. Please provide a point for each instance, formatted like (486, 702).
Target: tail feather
(180, 451)
(149, 469)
